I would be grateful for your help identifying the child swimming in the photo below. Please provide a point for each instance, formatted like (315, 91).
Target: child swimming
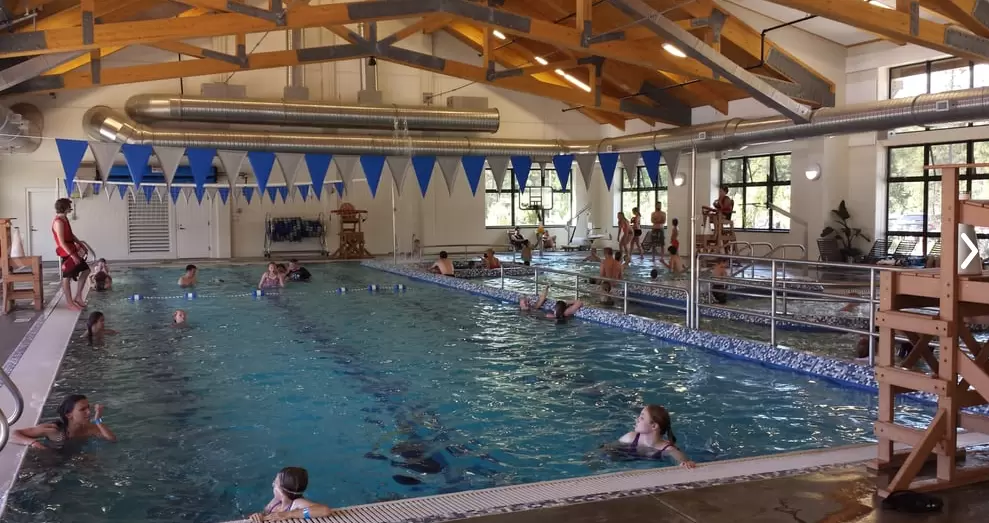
(653, 436)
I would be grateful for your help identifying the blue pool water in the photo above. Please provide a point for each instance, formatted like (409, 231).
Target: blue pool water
(450, 390)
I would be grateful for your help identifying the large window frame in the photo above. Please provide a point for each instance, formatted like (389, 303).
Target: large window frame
(926, 225)
(640, 192)
(955, 71)
(744, 183)
(544, 176)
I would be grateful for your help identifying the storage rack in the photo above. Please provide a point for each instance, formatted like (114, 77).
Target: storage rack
(299, 230)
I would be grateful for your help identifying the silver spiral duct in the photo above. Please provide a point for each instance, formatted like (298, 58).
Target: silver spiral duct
(973, 104)
(148, 108)
(20, 128)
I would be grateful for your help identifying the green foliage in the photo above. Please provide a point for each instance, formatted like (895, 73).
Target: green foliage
(844, 232)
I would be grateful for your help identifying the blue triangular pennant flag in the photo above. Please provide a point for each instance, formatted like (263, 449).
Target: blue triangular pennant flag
(201, 165)
(272, 193)
(136, 156)
(339, 188)
(283, 191)
(97, 187)
(521, 165)
(174, 192)
(149, 191)
(123, 191)
(563, 164)
(304, 191)
(372, 165)
(318, 164)
(651, 159)
(71, 152)
(473, 168)
(200, 192)
(261, 164)
(423, 166)
(609, 162)
(248, 193)
(224, 194)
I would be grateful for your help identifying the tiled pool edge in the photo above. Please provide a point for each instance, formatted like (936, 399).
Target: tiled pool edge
(844, 373)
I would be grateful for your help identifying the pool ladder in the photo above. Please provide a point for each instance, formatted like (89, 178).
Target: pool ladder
(7, 421)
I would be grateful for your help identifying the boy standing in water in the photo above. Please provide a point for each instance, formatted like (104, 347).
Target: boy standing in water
(189, 278)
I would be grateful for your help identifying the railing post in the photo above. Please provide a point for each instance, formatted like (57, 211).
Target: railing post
(576, 287)
(783, 264)
(625, 298)
(872, 317)
(535, 279)
(502, 277)
(772, 305)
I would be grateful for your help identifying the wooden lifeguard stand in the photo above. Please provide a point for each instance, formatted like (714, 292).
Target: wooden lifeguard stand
(717, 233)
(352, 245)
(958, 376)
(9, 263)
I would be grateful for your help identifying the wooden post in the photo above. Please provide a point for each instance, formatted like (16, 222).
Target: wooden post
(949, 312)
(486, 48)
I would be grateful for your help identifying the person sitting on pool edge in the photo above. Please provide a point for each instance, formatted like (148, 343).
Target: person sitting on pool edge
(297, 272)
(96, 328)
(189, 278)
(647, 438)
(443, 265)
(271, 278)
(561, 310)
(73, 422)
(288, 502)
(490, 260)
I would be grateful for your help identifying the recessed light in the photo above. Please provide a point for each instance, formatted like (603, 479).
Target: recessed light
(541, 60)
(498, 34)
(673, 50)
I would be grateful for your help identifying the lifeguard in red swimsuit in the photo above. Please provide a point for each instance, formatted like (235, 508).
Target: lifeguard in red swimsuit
(72, 253)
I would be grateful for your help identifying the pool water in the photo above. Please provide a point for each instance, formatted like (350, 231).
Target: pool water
(384, 395)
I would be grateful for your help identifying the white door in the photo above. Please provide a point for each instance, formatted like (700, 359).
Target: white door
(192, 228)
(41, 211)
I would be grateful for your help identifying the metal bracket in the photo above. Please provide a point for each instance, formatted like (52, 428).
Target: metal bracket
(278, 17)
(588, 40)
(595, 60)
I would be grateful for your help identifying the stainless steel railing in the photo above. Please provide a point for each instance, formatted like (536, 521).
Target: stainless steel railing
(537, 270)
(8, 421)
(464, 250)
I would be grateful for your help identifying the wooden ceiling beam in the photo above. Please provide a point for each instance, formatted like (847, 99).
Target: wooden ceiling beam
(897, 25)
(961, 11)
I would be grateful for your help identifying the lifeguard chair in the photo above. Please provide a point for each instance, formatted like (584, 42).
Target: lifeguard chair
(12, 273)
(717, 234)
(352, 245)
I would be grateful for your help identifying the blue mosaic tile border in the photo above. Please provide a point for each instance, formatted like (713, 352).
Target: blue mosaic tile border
(845, 373)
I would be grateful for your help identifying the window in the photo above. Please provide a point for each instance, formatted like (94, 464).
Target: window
(637, 190)
(936, 76)
(913, 194)
(504, 208)
(753, 182)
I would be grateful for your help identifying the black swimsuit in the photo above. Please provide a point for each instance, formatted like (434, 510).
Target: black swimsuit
(633, 448)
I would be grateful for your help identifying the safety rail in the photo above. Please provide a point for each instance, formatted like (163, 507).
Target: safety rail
(752, 246)
(465, 250)
(782, 288)
(8, 421)
(537, 270)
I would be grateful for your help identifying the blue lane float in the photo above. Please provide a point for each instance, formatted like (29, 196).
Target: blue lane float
(261, 293)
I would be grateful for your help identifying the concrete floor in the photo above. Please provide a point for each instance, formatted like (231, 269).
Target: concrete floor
(14, 326)
(842, 495)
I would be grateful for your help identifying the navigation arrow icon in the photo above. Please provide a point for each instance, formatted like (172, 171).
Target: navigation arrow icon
(973, 251)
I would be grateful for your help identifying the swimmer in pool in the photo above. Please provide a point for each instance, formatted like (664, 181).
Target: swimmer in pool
(189, 278)
(561, 310)
(282, 273)
(297, 272)
(271, 278)
(288, 502)
(74, 422)
(647, 439)
(96, 329)
(100, 278)
(443, 266)
(178, 318)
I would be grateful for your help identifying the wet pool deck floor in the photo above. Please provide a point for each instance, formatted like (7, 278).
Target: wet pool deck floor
(841, 495)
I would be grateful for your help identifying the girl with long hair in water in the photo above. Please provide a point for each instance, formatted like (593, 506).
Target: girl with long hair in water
(75, 422)
(288, 502)
(96, 328)
(653, 437)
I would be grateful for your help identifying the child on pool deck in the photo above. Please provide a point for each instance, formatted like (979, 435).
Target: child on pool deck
(271, 278)
(189, 278)
(647, 438)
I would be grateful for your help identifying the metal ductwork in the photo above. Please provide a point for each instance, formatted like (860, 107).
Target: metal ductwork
(973, 104)
(20, 128)
(148, 108)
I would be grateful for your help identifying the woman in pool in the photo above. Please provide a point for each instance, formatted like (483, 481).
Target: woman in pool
(653, 437)
(271, 278)
(288, 502)
(73, 423)
(96, 328)
(561, 310)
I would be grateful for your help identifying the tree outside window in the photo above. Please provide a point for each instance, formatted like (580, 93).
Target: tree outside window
(936, 76)
(503, 208)
(754, 181)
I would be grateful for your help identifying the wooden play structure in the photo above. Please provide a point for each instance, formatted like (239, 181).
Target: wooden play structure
(10, 278)
(957, 376)
(717, 234)
(352, 245)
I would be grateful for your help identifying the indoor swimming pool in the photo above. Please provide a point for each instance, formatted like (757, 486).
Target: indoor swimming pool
(384, 395)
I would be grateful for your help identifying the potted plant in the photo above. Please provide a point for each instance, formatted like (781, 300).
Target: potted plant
(844, 233)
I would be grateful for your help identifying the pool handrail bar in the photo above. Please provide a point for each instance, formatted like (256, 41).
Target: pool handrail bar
(7, 421)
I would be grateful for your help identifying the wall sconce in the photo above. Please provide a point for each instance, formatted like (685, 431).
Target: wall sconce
(679, 179)
(813, 172)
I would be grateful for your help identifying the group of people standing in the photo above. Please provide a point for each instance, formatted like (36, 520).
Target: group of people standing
(630, 234)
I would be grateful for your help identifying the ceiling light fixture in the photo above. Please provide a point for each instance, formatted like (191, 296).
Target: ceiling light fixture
(541, 60)
(673, 50)
(574, 80)
(498, 34)
(877, 3)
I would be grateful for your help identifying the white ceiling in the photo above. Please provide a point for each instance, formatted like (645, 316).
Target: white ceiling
(836, 32)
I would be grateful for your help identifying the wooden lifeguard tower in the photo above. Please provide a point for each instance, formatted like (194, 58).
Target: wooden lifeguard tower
(10, 278)
(958, 376)
(717, 234)
(352, 245)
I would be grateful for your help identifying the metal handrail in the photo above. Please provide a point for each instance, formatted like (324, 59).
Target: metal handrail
(7, 421)
(465, 249)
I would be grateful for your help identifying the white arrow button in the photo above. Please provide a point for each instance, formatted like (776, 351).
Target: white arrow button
(973, 251)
